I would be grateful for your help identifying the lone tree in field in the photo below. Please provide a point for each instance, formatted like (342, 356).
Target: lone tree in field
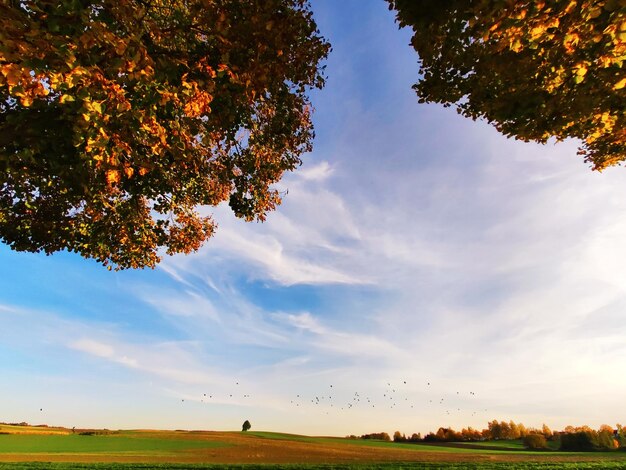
(535, 69)
(119, 118)
(246, 425)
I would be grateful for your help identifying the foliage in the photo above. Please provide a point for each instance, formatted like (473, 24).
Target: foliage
(586, 439)
(118, 118)
(578, 441)
(534, 441)
(620, 435)
(381, 436)
(506, 435)
(246, 425)
(534, 69)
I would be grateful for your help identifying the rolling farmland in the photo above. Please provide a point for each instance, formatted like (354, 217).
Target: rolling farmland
(21, 449)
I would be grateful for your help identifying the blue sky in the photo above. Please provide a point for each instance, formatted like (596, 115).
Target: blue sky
(413, 246)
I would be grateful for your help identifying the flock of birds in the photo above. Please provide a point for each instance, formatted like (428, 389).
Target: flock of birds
(394, 395)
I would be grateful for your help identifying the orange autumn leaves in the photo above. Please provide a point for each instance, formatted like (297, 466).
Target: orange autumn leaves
(534, 69)
(127, 116)
(21, 84)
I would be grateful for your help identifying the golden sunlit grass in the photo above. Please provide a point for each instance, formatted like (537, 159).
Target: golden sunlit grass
(11, 429)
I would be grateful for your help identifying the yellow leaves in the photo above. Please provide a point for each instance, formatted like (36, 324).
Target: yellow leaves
(580, 70)
(570, 7)
(54, 79)
(113, 176)
(66, 99)
(199, 100)
(147, 71)
(537, 31)
(155, 135)
(90, 143)
(12, 74)
(74, 77)
(92, 110)
(516, 45)
(570, 41)
(605, 61)
(149, 124)
(185, 83)
(199, 104)
(604, 124)
(594, 13)
(606, 120)
(167, 96)
(23, 83)
(553, 23)
(619, 85)
(556, 80)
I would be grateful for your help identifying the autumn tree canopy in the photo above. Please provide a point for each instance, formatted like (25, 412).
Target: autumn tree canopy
(535, 69)
(119, 118)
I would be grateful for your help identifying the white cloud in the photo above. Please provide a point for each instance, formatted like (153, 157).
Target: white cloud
(7, 309)
(187, 303)
(93, 347)
(304, 321)
(332, 342)
(318, 172)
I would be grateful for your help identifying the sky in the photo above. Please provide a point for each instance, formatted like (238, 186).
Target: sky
(423, 271)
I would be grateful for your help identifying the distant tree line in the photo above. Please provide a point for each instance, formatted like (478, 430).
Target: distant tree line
(586, 439)
(381, 436)
(582, 438)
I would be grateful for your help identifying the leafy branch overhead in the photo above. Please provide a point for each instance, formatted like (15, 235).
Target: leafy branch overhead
(535, 69)
(118, 118)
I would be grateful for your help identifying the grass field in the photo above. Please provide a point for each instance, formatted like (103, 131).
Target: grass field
(378, 466)
(123, 443)
(9, 429)
(142, 450)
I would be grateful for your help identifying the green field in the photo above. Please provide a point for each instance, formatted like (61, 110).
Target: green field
(504, 444)
(73, 443)
(183, 450)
